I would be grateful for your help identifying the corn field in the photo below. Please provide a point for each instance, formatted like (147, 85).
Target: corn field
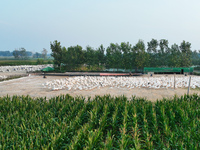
(106, 122)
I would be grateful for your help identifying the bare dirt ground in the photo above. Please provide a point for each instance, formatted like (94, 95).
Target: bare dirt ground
(32, 85)
(13, 73)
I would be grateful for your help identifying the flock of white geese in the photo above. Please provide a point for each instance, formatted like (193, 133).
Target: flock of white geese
(92, 82)
(27, 68)
(20, 68)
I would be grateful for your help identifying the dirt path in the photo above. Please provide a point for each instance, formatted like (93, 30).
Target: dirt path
(33, 86)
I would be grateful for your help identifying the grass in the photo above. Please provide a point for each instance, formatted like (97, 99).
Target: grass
(106, 122)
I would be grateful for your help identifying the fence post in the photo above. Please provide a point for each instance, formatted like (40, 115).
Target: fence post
(174, 81)
(189, 86)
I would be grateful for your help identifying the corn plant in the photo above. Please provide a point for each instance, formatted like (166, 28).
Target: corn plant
(103, 122)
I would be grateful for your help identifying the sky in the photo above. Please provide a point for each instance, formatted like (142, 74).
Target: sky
(33, 24)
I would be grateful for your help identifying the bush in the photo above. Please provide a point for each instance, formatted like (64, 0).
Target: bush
(40, 61)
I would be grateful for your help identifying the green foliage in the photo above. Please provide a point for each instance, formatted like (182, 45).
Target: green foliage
(124, 56)
(186, 54)
(195, 58)
(74, 57)
(114, 56)
(40, 61)
(127, 58)
(13, 62)
(141, 56)
(58, 53)
(49, 62)
(20, 54)
(64, 122)
(37, 55)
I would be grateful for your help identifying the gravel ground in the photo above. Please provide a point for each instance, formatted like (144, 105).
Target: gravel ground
(32, 85)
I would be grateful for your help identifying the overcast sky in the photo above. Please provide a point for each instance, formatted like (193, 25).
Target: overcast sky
(33, 24)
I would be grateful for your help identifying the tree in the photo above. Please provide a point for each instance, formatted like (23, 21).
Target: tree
(163, 44)
(37, 55)
(152, 46)
(141, 55)
(153, 52)
(186, 54)
(16, 54)
(29, 54)
(44, 53)
(5, 53)
(79, 55)
(174, 59)
(126, 50)
(100, 54)
(117, 54)
(90, 56)
(163, 53)
(108, 57)
(74, 57)
(114, 56)
(21, 53)
(195, 58)
(58, 53)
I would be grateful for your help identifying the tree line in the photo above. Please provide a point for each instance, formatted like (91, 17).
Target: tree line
(125, 55)
(22, 53)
